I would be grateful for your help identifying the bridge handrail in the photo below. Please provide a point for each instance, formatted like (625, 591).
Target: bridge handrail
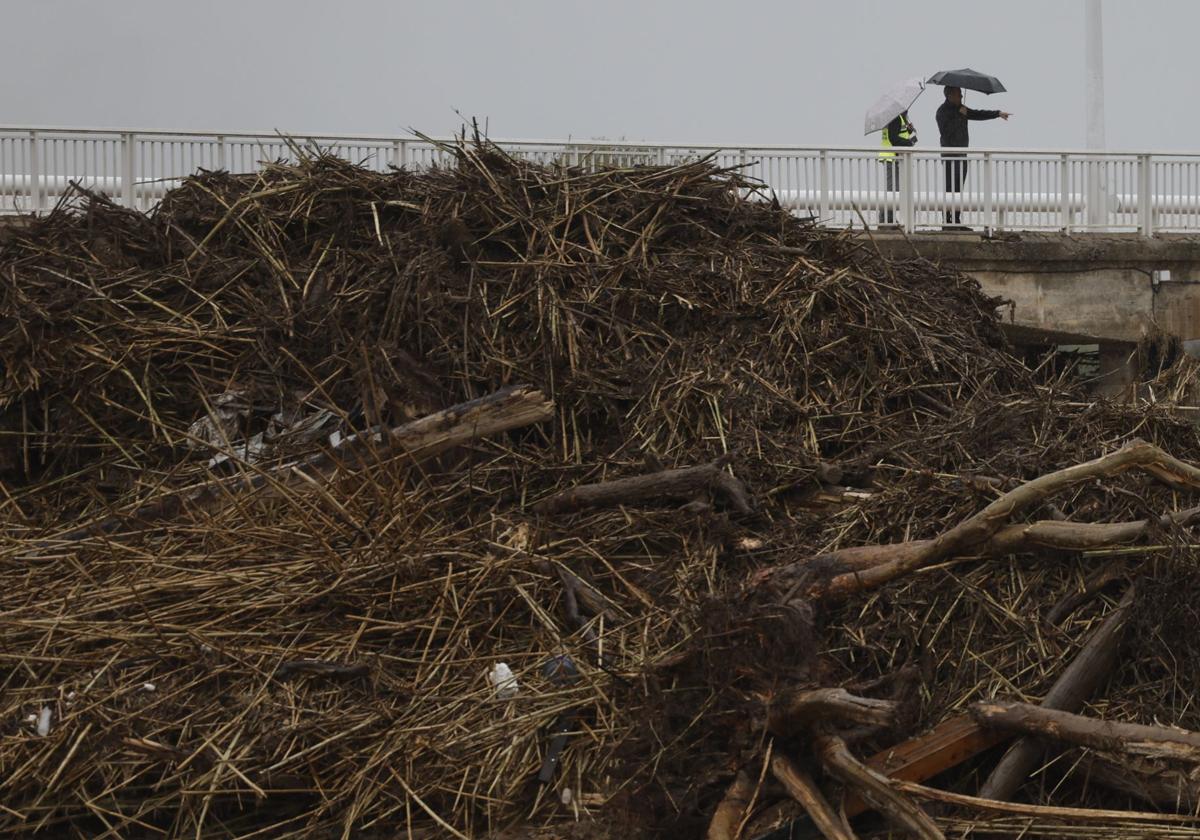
(1003, 188)
(598, 142)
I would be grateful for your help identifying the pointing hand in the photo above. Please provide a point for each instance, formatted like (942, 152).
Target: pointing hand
(1004, 115)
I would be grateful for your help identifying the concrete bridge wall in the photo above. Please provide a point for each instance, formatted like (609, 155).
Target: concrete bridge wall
(1077, 289)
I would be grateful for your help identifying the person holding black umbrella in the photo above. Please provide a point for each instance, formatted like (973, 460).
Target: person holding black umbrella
(952, 118)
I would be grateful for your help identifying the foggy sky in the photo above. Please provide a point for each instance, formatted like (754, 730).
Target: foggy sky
(676, 70)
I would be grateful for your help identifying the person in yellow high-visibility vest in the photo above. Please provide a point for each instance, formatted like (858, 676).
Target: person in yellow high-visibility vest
(899, 132)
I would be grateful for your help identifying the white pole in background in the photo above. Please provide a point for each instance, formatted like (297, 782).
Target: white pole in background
(1094, 99)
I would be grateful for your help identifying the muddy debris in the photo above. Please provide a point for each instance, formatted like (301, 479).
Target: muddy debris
(756, 521)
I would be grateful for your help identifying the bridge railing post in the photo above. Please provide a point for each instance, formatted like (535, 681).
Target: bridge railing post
(127, 169)
(823, 186)
(906, 190)
(989, 192)
(35, 172)
(1145, 196)
(1064, 190)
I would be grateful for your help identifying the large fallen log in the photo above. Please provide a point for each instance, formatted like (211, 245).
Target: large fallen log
(684, 483)
(1111, 736)
(510, 408)
(1077, 683)
(838, 574)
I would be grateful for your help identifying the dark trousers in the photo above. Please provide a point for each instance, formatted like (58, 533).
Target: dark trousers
(891, 180)
(956, 176)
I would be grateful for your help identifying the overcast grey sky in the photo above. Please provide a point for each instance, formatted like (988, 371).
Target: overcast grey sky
(759, 71)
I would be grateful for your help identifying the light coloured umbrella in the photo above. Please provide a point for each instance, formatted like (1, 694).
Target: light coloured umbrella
(892, 104)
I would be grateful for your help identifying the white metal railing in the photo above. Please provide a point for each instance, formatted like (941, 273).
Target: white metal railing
(1004, 189)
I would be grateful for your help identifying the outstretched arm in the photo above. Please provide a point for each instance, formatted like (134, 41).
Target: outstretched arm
(973, 114)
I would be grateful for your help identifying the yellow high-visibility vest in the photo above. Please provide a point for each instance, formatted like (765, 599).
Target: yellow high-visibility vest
(906, 132)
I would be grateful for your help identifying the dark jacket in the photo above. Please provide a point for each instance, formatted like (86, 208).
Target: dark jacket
(893, 133)
(953, 125)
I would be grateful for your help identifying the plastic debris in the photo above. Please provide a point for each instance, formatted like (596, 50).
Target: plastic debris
(218, 428)
(504, 681)
(43, 722)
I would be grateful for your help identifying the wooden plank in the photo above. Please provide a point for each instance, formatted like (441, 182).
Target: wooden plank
(947, 745)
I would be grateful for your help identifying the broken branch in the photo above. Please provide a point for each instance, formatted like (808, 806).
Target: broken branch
(801, 787)
(875, 789)
(978, 529)
(320, 668)
(728, 816)
(1110, 736)
(801, 710)
(846, 571)
(684, 483)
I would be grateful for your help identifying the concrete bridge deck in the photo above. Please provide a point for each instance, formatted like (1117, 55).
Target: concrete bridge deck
(1068, 289)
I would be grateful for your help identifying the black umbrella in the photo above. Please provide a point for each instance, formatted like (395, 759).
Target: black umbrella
(969, 79)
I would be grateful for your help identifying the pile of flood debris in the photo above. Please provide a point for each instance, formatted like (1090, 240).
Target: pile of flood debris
(503, 498)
